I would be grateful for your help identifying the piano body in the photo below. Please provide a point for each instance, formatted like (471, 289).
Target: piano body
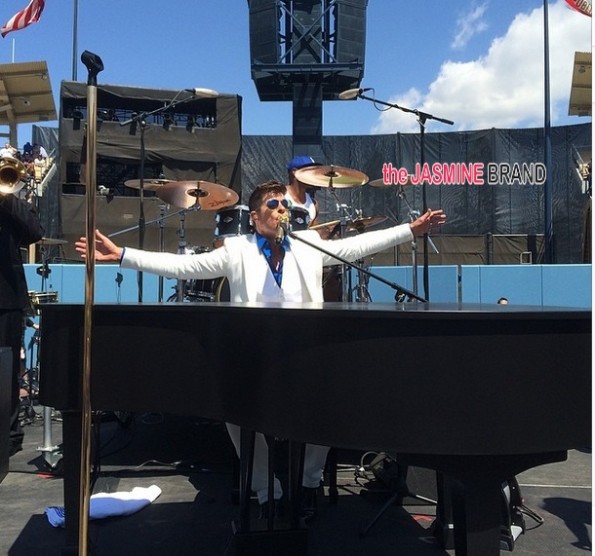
(480, 393)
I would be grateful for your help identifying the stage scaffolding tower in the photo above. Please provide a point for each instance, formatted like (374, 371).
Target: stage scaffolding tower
(306, 51)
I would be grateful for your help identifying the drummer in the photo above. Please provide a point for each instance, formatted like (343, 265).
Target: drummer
(297, 193)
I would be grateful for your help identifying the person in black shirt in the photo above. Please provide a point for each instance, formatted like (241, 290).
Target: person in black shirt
(19, 227)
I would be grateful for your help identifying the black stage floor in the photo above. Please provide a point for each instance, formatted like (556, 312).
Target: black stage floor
(190, 460)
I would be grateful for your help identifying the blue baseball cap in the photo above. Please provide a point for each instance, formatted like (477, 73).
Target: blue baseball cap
(301, 162)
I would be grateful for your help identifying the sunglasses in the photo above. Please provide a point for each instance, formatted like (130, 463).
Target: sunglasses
(274, 203)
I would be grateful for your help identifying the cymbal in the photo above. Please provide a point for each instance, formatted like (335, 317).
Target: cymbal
(359, 224)
(51, 241)
(331, 176)
(380, 183)
(148, 184)
(208, 196)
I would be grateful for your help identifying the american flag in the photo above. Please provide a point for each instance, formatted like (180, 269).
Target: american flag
(583, 6)
(25, 17)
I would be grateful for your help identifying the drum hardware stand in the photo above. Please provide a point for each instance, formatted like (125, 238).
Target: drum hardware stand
(365, 271)
(422, 117)
(51, 453)
(162, 209)
(29, 379)
(181, 286)
(140, 120)
(160, 219)
(43, 270)
(401, 491)
(345, 214)
(362, 295)
(181, 249)
(413, 215)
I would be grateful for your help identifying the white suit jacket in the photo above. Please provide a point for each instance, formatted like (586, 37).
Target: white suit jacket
(245, 268)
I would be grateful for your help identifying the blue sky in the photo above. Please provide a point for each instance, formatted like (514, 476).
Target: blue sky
(478, 63)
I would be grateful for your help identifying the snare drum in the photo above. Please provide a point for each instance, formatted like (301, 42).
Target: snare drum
(233, 221)
(299, 219)
(38, 298)
(197, 249)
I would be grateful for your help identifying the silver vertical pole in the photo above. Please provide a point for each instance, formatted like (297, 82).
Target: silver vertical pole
(548, 233)
(75, 38)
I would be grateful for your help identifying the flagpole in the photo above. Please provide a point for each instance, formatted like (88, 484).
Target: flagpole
(74, 38)
(547, 147)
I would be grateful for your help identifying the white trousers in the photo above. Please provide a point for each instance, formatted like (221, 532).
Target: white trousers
(314, 461)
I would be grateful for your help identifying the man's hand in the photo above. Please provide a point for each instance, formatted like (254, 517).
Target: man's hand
(428, 222)
(105, 249)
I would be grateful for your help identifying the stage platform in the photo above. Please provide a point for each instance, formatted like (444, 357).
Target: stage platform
(191, 461)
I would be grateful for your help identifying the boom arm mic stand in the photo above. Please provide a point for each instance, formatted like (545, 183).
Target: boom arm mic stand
(422, 117)
(400, 290)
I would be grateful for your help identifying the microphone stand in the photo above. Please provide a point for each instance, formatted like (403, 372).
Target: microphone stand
(94, 66)
(141, 120)
(413, 215)
(422, 117)
(401, 292)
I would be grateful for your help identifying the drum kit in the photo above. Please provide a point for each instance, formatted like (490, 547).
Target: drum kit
(233, 219)
(337, 279)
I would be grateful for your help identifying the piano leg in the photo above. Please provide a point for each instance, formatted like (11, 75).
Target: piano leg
(477, 513)
(247, 439)
(473, 487)
(287, 538)
(443, 528)
(72, 426)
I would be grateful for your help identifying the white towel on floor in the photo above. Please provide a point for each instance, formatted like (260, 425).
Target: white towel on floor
(108, 504)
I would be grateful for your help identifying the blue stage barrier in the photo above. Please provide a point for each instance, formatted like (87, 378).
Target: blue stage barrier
(442, 282)
(565, 285)
(562, 285)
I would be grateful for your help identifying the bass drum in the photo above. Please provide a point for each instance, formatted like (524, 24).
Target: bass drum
(200, 291)
(222, 290)
(332, 283)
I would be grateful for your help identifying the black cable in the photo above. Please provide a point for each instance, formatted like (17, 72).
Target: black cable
(532, 514)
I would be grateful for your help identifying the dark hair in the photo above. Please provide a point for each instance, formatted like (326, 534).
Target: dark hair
(262, 190)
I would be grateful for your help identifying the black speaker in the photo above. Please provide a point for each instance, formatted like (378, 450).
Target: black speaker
(264, 18)
(351, 31)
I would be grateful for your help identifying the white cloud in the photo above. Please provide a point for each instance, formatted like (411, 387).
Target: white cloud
(468, 26)
(505, 87)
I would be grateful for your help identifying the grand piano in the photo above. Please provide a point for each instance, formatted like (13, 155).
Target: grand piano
(479, 393)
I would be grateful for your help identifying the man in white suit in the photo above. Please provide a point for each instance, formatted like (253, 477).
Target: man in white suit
(268, 266)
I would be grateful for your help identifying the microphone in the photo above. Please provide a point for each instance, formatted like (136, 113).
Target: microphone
(282, 229)
(352, 93)
(204, 93)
